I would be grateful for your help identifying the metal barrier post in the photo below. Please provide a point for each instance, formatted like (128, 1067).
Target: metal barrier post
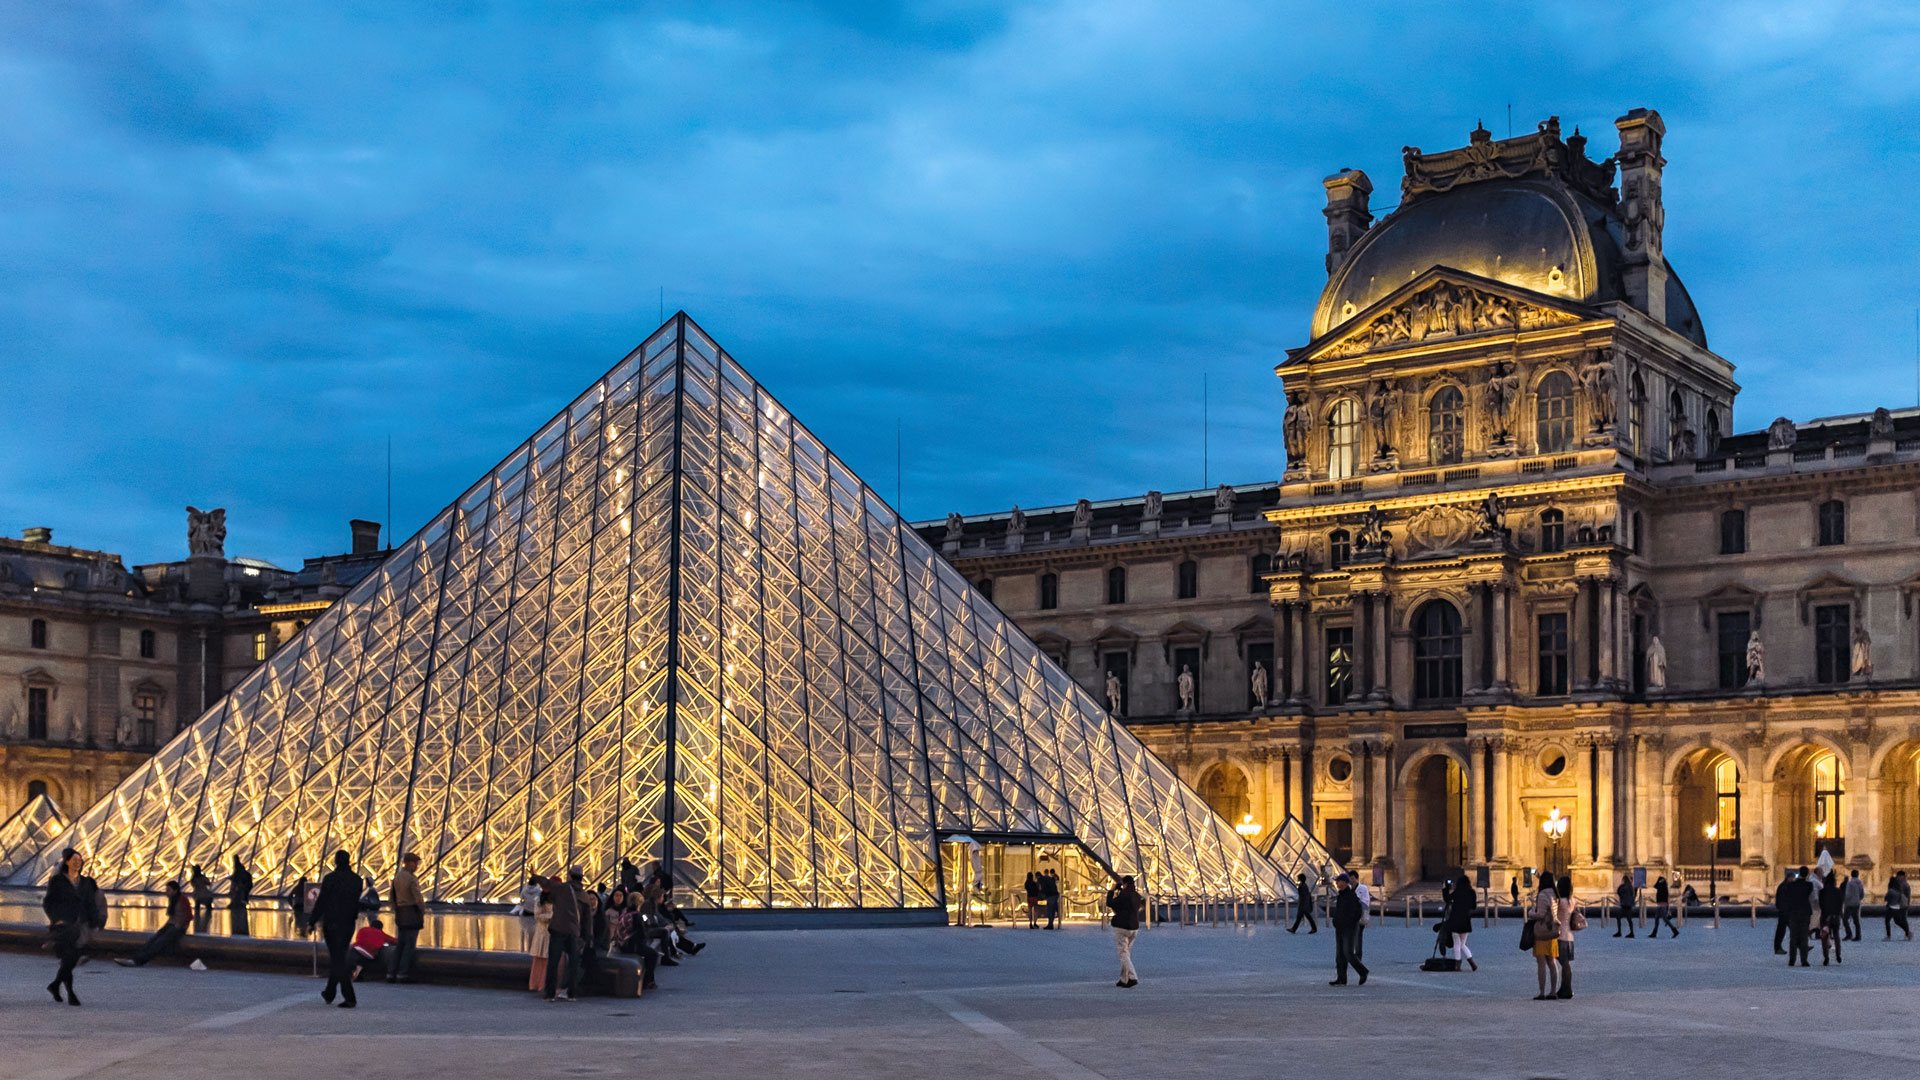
(1716, 911)
(1753, 913)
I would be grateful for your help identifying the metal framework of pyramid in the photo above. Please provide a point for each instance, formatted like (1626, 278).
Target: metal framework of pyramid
(31, 829)
(670, 625)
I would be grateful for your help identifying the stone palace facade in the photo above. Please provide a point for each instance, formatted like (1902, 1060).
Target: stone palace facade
(1519, 566)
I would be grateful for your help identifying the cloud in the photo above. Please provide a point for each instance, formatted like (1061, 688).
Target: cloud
(246, 249)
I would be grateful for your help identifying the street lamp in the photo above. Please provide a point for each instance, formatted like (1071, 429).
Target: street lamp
(1247, 827)
(1713, 861)
(1819, 837)
(1555, 827)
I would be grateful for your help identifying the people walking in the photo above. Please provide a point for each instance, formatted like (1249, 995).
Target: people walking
(1782, 922)
(1833, 903)
(409, 916)
(1125, 902)
(1856, 894)
(202, 888)
(239, 891)
(1305, 910)
(563, 934)
(336, 910)
(1663, 908)
(1033, 900)
(1571, 919)
(66, 914)
(1365, 896)
(1899, 898)
(1345, 917)
(1544, 918)
(1459, 920)
(1794, 900)
(179, 917)
(1624, 914)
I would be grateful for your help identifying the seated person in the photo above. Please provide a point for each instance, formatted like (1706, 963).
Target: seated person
(370, 946)
(677, 922)
(179, 915)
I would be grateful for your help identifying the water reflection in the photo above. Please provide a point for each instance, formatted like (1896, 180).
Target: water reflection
(492, 931)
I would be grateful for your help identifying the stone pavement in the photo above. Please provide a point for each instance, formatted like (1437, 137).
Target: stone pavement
(991, 1003)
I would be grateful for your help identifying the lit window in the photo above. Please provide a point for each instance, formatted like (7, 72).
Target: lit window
(1826, 798)
(1726, 788)
(1554, 416)
(1343, 440)
(259, 646)
(1339, 664)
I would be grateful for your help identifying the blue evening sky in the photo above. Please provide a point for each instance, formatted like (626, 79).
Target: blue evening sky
(242, 244)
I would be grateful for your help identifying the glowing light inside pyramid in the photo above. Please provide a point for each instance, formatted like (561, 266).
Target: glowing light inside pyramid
(671, 624)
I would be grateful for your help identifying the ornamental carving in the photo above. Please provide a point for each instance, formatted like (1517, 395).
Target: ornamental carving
(1442, 311)
(1439, 529)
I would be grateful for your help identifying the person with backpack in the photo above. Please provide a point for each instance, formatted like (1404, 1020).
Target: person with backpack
(1126, 904)
(1459, 921)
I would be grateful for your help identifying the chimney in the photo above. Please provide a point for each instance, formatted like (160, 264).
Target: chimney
(1645, 272)
(366, 536)
(1347, 213)
(38, 535)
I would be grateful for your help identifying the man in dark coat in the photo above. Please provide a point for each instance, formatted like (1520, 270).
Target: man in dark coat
(563, 932)
(1780, 921)
(336, 910)
(1832, 922)
(1305, 910)
(1795, 900)
(66, 914)
(239, 891)
(1624, 914)
(1346, 927)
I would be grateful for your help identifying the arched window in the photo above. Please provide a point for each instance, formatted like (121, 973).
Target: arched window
(1343, 440)
(37, 634)
(1189, 580)
(1676, 425)
(1049, 591)
(1446, 427)
(1827, 790)
(1733, 532)
(1713, 430)
(1224, 787)
(1637, 417)
(1553, 427)
(985, 585)
(36, 788)
(1339, 548)
(1262, 566)
(1553, 531)
(147, 645)
(1436, 652)
(1117, 585)
(1726, 788)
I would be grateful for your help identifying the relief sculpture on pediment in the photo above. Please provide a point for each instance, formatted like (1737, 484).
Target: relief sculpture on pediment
(1445, 310)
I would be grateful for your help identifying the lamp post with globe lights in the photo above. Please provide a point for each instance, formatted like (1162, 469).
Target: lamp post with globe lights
(1555, 827)
(1713, 860)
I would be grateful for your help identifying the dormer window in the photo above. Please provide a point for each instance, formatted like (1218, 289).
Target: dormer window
(1446, 427)
(1553, 428)
(1343, 440)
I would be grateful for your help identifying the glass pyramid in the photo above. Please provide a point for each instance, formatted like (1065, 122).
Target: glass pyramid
(31, 828)
(669, 625)
(1294, 850)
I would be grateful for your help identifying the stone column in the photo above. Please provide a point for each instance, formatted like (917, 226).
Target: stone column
(1477, 638)
(1858, 803)
(1382, 670)
(1385, 802)
(1607, 798)
(1502, 638)
(1363, 646)
(1283, 668)
(1607, 592)
(1301, 653)
(1360, 783)
(1476, 801)
(1503, 803)
(1757, 845)
(1579, 638)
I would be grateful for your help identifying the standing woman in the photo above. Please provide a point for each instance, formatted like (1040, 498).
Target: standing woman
(1663, 907)
(1033, 901)
(1570, 920)
(1459, 920)
(66, 914)
(542, 915)
(1545, 917)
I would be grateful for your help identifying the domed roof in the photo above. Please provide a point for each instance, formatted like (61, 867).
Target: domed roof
(1539, 232)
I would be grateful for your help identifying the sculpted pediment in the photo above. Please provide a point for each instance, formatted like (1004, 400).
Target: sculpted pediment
(1439, 305)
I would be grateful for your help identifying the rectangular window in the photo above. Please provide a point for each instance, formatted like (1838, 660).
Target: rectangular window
(1731, 629)
(1733, 532)
(1189, 580)
(1187, 661)
(260, 641)
(1340, 839)
(1833, 523)
(1260, 654)
(37, 634)
(1262, 566)
(147, 644)
(1339, 664)
(1049, 591)
(1555, 655)
(146, 710)
(36, 712)
(1117, 585)
(1832, 642)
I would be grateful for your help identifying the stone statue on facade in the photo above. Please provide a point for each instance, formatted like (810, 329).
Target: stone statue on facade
(1781, 434)
(1881, 426)
(1373, 530)
(1082, 515)
(1598, 377)
(1259, 682)
(1152, 510)
(1862, 658)
(1223, 497)
(1491, 516)
(1756, 660)
(123, 731)
(1115, 696)
(1294, 426)
(1656, 665)
(1503, 391)
(1383, 408)
(10, 723)
(1017, 523)
(206, 532)
(1186, 685)
(955, 526)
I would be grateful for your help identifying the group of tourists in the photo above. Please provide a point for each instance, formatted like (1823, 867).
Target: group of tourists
(567, 927)
(1043, 899)
(1803, 894)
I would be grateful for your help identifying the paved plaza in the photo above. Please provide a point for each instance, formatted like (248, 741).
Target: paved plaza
(991, 1003)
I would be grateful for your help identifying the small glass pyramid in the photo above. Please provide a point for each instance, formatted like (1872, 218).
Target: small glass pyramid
(670, 625)
(30, 829)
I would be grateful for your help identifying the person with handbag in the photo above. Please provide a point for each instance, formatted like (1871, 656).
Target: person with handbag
(65, 916)
(1459, 921)
(1541, 934)
(1571, 919)
(1126, 903)
(409, 916)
